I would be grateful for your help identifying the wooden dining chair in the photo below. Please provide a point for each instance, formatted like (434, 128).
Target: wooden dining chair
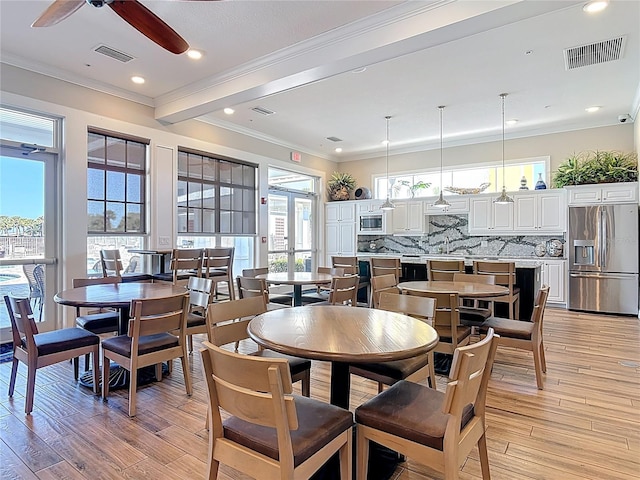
(383, 283)
(269, 433)
(436, 429)
(413, 369)
(257, 287)
(37, 350)
(383, 266)
(98, 321)
(351, 266)
(525, 335)
(111, 264)
(199, 299)
(443, 270)
(447, 321)
(474, 315)
(156, 334)
(505, 274)
(241, 312)
(322, 291)
(343, 291)
(218, 266)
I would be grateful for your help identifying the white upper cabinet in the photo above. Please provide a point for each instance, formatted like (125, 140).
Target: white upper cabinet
(340, 212)
(369, 206)
(408, 217)
(489, 218)
(458, 204)
(340, 231)
(542, 211)
(603, 193)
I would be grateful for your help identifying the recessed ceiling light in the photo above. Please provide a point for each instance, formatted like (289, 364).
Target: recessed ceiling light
(513, 121)
(137, 79)
(595, 6)
(592, 109)
(338, 150)
(194, 54)
(229, 111)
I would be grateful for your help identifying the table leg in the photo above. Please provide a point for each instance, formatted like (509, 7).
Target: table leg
(340, 384)
(297, 295)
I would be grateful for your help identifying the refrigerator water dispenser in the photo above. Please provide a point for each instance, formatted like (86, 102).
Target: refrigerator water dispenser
(584, 252)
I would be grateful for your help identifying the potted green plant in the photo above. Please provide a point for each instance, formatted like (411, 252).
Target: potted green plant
(341, 185)
(597, 167)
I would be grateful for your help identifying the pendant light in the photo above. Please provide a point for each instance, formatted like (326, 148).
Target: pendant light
(503, 198)
(441, 202)
(387, 205)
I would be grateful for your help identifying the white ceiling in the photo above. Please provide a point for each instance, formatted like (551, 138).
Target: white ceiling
(297, 58)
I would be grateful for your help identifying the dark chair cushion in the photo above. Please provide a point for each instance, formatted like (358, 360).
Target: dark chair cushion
(136, 277)
(410, 410)
(99, 322)
(63, 339)
(510, 328)
(147, 344)
(395, 370)
(296, 364)
(444, 333)
(473, 317)
(319, 423)
(195, 319)
(168, 276)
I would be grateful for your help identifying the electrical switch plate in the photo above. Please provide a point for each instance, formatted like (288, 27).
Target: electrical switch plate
(164, 241)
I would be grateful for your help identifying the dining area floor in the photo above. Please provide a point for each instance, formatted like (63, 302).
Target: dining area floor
(585, 424)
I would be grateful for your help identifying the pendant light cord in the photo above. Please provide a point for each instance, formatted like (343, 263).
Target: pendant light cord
(503, 95)
(388, 186)
(441, 107)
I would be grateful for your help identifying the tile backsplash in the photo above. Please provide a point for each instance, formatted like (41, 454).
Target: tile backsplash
(455, 228)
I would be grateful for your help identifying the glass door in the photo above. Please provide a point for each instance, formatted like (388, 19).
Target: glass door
(28, 234)
(291, 231)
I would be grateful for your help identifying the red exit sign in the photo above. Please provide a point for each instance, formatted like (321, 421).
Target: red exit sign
(296, 157)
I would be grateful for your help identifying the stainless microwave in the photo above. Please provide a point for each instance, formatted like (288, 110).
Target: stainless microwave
(372, 223)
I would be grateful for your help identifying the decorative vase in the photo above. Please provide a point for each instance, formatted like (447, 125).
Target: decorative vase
(340, 194)
(540, 185)
(523, 183)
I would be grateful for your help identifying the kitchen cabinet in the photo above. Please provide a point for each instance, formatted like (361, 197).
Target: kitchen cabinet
(554, 274)
(340, 230)
(458, 204)
(366, 207)
(603, 193)
(542, 212)
(371, 219)
(489, 218)
(408, 217)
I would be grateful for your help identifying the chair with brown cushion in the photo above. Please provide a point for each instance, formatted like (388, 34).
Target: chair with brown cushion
(383, 266)
(343, 291)
(413, 369)
(322, 291)
(505, 274)
(199, 296)
(37, 350)
(218, 266)
(383, 283)
(351, 266)
(257, 287)
(273, 298)
(270, 433)
(101, 321)
(474, 315)
(436, 429)
(525, 335)
(443, 270)
(156, 334)
(243, 310)
(447, 321)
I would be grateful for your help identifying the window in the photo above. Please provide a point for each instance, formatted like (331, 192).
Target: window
(427, 184)
(116, 184)
(215, 195)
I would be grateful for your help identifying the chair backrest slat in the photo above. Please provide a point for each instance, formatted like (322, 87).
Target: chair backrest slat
(422, 308)
(504, 272)
(253, 287)
(23, 324)
(472, 278)
(218, 259)
(349, 264)
(254, 272)
(334, 271)
(84, 282)
(383, 283)
(219, 316)
(443, 270)
(159, 315)
(344, 289)
(111, 263)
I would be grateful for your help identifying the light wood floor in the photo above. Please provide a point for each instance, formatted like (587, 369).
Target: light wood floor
(584, 425)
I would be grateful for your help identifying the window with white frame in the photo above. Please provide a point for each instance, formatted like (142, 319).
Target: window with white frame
(427, 183)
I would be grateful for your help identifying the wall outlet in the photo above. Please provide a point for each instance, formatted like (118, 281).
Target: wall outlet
(484, 243)
(164, 241)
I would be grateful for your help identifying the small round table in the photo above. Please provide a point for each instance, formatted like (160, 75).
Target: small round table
(464, 289)
(342, 335)
(297, 279)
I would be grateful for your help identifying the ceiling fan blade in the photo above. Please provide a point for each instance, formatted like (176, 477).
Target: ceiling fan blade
(150, 25)
(57, 11)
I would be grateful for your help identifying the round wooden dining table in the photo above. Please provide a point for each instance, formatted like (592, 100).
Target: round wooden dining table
(464, 289)
(297, 279)
(342, 335)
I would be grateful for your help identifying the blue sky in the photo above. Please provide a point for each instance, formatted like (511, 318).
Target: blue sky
(21, 187)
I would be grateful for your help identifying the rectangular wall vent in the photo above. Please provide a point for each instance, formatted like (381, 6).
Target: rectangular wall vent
(262, 111)
(334, 139)
(594, 53)
(113, 53)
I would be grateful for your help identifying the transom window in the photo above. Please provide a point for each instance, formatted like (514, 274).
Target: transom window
(215, 195)
(116, 184)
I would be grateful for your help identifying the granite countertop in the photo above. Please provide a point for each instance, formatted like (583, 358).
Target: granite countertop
(521, 261)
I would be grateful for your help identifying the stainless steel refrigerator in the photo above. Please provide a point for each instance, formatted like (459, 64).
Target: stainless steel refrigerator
(603, 258)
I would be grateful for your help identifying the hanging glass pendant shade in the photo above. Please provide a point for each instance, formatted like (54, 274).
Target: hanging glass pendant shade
(441, 202)
(387, 205)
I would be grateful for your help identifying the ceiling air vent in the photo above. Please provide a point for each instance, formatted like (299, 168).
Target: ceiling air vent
(113, 53)
(262, 111)
(594, 53)
(334, 139)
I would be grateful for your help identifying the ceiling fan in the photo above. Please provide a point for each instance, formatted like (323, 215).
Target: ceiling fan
(131, 11)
